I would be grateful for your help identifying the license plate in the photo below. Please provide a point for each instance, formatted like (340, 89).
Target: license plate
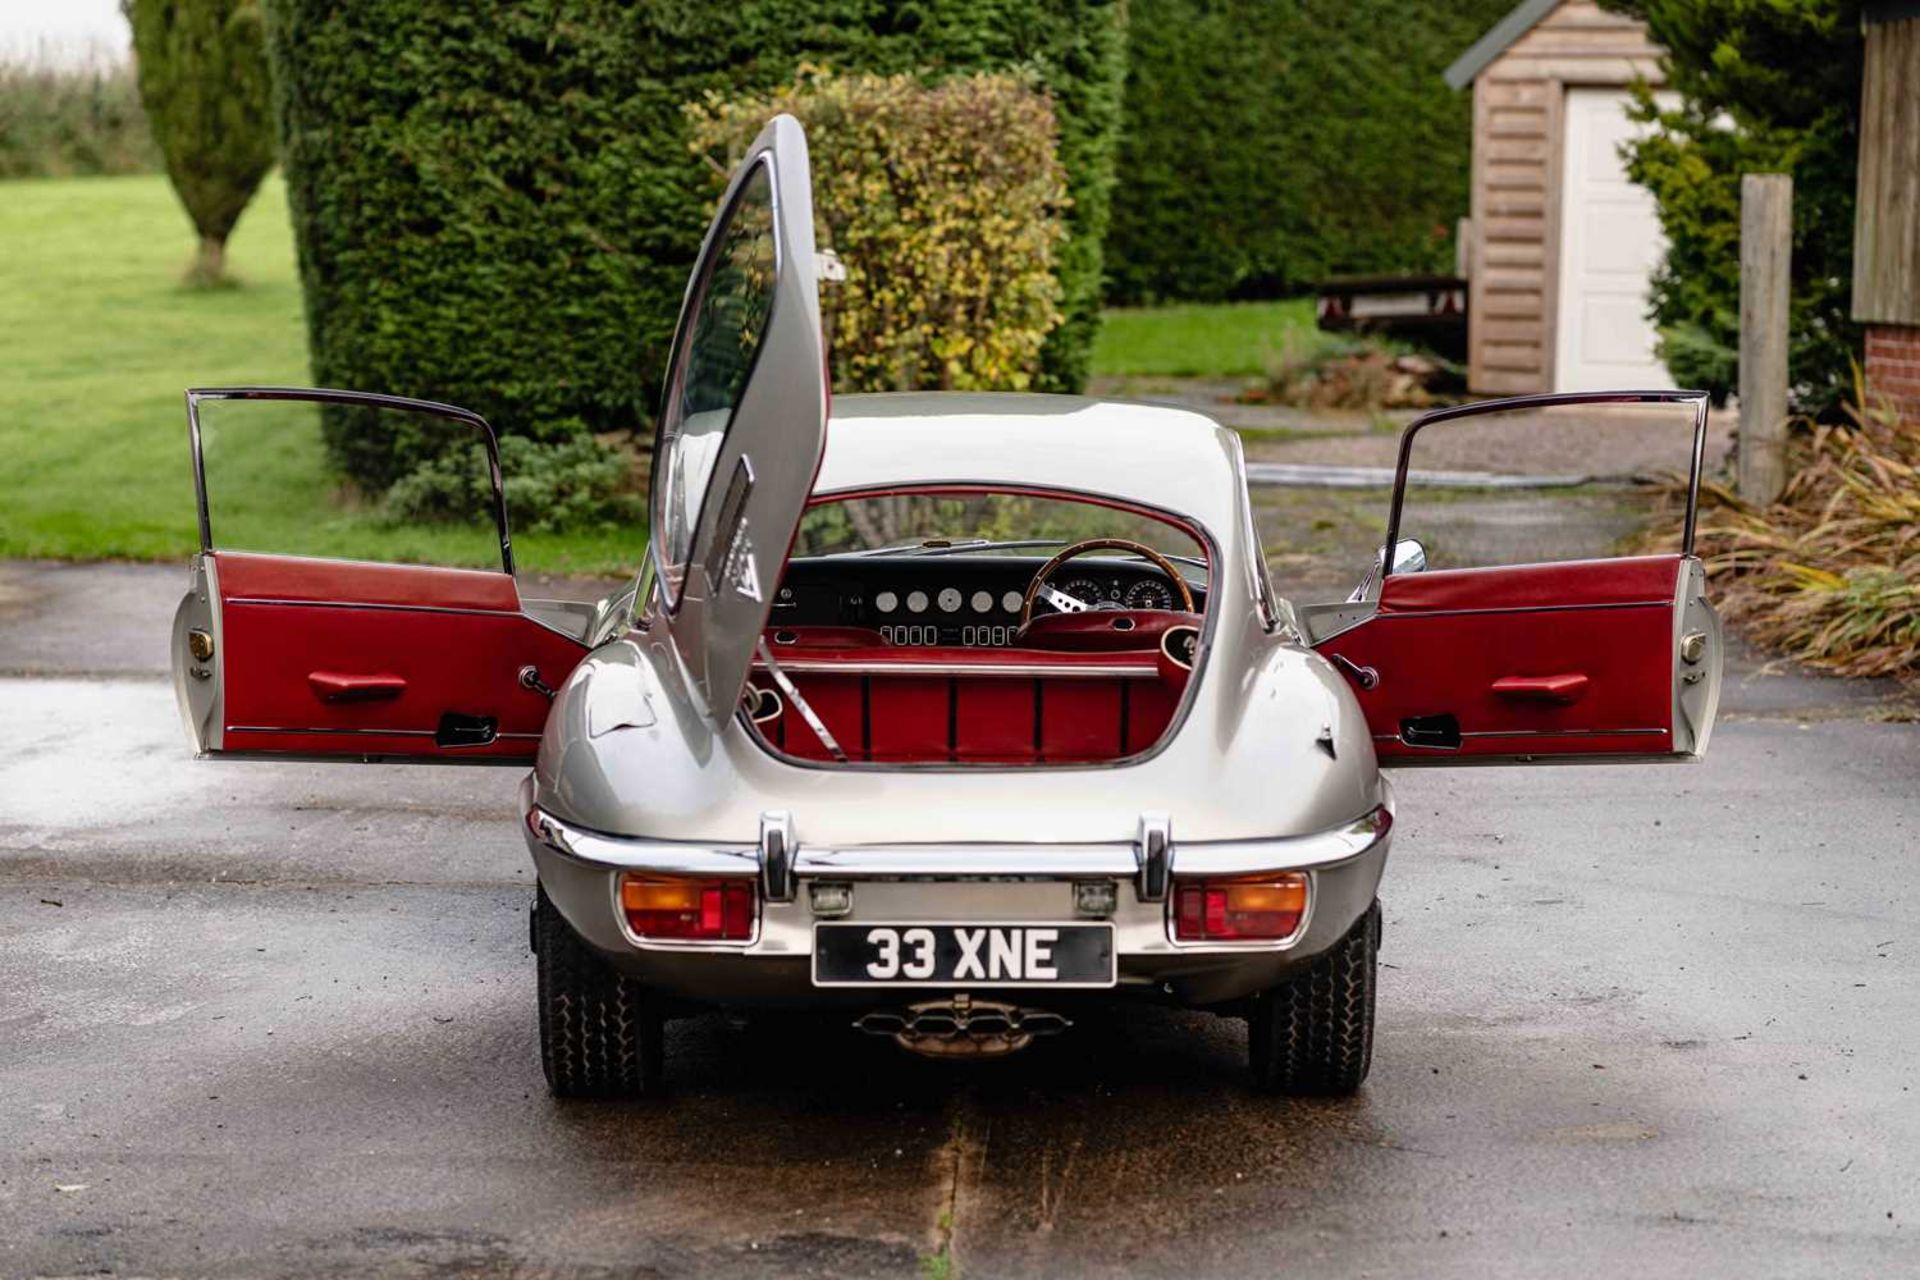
(963, 955)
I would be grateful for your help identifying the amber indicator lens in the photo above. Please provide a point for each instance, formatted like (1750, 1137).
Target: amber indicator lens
(689, 909)
(1267, 908)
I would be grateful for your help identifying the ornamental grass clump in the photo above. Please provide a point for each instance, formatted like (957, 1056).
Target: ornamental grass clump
(945, 203)
(1829, 574)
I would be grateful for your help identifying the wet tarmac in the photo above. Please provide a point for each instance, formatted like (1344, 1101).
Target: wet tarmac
(278, 1019)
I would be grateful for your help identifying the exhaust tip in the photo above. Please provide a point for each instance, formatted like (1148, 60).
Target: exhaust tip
(962, 1027)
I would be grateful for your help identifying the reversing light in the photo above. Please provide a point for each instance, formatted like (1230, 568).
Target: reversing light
(1263, 908)
(689, 908)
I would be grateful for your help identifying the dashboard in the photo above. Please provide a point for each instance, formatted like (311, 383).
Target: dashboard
(965, 600)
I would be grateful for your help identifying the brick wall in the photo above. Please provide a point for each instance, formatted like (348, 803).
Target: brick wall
(1893, 366)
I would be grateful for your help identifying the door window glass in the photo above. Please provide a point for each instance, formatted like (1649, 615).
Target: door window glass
(1543, 482)
(721, 332)
(270, 484)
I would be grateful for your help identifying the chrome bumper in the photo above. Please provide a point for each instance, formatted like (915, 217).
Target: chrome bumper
(1009, 884)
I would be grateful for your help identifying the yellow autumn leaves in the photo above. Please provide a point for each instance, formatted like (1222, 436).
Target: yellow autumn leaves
(944, 202)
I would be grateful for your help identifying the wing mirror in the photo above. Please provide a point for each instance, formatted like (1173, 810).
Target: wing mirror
(1409, 556)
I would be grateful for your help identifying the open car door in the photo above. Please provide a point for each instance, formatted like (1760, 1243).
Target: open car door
(1502, 639)
(743, 421)
(277, 654)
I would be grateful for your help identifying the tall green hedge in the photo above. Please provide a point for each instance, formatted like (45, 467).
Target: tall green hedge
(1268, 144)
(497, 204)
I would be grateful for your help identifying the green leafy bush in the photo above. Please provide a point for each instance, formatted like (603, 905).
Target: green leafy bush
(1267, 145)
(497, 205)
(549, 487)
(56, 121)
(944, 203)
(203, 80)
(1766, 86)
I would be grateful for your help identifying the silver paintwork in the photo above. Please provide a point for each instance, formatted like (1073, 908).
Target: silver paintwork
(772, 443)
(644, 765)
(1243, 780)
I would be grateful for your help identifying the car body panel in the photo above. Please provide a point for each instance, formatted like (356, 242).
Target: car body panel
(744, 455)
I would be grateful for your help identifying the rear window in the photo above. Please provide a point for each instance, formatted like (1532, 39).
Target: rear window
(726, 319)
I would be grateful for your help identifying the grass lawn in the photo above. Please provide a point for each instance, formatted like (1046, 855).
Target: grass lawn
(97, 342)
(100, 339)
(1198, 340)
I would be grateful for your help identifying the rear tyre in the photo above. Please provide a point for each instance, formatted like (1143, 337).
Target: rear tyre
(1313, 1035)
(601, 1034)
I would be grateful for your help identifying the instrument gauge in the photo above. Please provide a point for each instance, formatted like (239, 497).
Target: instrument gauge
(949, 600)
(1012, 601)
(982, 601)
(886, 602)
(916, 602)
(1149, 593)
(1085, 590)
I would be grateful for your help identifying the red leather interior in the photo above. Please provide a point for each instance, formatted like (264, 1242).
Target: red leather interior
(1103, 630)
(338, 658)
(1588, 645)
(243, 575)
(1631, 580)
(929, 705)
(824, 637)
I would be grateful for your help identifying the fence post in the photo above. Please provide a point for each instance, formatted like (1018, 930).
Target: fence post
(1766, 258)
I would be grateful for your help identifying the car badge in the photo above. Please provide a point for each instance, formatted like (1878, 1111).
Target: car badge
(741, 569)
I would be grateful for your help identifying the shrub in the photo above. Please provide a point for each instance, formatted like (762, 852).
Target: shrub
(1353, 371)
(571, 484)
(498, 205)
(1830, 574)
(944, 204)
(56, 121)
(1767, 86)
(1267, 145)
(203, 80)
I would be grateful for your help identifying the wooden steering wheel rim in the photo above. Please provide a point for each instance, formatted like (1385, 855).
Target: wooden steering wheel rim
(1104, 544)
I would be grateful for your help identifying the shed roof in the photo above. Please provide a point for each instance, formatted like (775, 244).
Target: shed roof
(1498, 39)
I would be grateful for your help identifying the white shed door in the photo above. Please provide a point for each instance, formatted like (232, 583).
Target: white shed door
(1610, 243)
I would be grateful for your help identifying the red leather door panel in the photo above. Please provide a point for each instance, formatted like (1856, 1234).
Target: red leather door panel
(324, 657)
(1550, 660)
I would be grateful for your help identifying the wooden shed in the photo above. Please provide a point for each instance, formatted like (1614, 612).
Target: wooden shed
(1886, 231)
(1560, 245)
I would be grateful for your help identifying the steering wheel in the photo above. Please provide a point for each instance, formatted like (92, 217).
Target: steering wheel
(1064, 603)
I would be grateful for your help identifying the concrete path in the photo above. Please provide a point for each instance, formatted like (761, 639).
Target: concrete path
(278, 1019)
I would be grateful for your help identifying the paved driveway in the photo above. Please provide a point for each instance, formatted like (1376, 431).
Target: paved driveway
(261, 1018)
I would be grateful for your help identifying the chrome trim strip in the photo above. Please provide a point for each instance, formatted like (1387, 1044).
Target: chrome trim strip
(1288, 853)
(1537, 733)
(665, 857)
(1015, 671)
(394, 608)
(371, 733)
(966, 861)
(1415, 614)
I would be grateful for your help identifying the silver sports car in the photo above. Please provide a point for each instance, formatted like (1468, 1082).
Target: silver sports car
(956, 713)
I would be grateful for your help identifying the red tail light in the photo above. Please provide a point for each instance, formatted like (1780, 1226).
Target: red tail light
(1265, 908)
(687, 909)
